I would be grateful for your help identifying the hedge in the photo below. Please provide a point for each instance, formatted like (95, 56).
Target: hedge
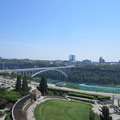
(79, 94)
(100, 97)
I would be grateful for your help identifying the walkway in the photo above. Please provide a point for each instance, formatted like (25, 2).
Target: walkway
(30, 111)
(96, 108)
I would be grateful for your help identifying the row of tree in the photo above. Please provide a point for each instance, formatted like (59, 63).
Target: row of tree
(22, 85)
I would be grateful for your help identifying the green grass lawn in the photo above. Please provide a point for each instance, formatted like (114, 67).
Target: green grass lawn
(63, 110)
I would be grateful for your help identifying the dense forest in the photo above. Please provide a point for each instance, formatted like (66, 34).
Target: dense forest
(90, 74)
(25, 63)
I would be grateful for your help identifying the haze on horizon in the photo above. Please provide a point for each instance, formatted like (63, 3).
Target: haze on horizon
(53, 29)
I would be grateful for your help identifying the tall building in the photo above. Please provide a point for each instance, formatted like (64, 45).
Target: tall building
(72, 58)
(86, 62)
(101, 60)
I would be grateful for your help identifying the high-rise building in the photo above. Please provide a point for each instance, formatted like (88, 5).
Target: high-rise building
(72, 58)
(101, 60)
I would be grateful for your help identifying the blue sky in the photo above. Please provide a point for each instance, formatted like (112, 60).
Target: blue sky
(53, 29)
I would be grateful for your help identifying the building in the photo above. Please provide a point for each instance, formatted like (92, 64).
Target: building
(78, 63)
(36, 94)
(66, 63)
(86, 62)
(101, 60)
(72, 58)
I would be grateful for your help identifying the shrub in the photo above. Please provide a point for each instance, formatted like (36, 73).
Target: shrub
(103, 97)
(81, 95)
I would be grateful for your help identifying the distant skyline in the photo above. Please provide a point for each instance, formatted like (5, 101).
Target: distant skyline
(54, 29)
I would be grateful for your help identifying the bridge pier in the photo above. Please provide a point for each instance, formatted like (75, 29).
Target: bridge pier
(22, 73)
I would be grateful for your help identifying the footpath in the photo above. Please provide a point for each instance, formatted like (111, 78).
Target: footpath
(96, 109)
(30, 111)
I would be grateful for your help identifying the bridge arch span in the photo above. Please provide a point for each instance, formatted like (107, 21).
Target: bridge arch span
(63, 73)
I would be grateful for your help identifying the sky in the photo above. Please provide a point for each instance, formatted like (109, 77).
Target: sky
(54, 29)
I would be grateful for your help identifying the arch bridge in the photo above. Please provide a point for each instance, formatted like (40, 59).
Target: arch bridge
(35, 71)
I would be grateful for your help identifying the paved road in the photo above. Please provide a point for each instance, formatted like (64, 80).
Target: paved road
(116, 96)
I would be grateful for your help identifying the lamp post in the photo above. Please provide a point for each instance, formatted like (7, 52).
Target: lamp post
(113, 99)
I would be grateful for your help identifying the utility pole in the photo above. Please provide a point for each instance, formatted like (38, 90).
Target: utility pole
(113, 99)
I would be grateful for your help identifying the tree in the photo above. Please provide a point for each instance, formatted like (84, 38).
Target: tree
(18, 83)
(2, 90)
(43, 86)
(91, 115)
(25, 85)
(11, 96)
(105, 115)
(3, 100)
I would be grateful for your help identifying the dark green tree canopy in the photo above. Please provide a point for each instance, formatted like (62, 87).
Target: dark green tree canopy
(18, 83)
(43, 86)
(105, 115)
(25, 85)
(91, 115)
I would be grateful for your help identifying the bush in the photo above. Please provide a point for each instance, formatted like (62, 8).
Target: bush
(78, 94)
(81, 95)
(103, 97)
(11, 96)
